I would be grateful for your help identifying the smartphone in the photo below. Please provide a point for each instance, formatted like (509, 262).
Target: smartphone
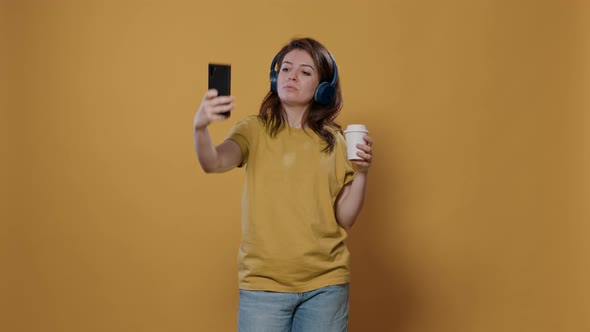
(220, 79)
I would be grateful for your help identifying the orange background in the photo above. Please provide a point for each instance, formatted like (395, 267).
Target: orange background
(476, 216)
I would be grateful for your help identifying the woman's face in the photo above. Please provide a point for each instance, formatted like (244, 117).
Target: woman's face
(298, 78)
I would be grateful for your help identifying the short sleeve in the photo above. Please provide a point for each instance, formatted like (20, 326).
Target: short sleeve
(241, 133)
(342, 159)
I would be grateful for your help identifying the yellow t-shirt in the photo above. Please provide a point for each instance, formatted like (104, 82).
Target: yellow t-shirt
(291, 241)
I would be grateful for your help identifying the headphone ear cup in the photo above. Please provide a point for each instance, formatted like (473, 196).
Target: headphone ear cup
(324, 93)
(273, 81)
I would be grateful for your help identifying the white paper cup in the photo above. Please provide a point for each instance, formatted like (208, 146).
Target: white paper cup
(354, 135)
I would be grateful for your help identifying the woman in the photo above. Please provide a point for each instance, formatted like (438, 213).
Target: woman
(301, 193)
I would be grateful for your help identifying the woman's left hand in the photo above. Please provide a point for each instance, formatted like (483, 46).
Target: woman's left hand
(366, 153)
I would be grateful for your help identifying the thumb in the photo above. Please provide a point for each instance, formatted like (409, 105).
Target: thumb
(211, 93)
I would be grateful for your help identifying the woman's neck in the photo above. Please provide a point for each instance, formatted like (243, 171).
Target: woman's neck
(295, 115)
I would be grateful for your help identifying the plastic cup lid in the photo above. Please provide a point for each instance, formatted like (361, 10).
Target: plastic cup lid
(356, 127)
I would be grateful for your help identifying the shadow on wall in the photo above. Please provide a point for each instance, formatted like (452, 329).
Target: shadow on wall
(383, 295)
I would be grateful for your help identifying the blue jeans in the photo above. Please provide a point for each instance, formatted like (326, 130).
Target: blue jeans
(322, 310)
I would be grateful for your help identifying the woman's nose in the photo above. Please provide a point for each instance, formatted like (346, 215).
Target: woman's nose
(292, 76)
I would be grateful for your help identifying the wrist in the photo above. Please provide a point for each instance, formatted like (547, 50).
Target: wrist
(361, 174)
(200, 128)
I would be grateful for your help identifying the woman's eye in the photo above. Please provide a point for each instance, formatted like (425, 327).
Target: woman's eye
(306, 73)
(285, 69)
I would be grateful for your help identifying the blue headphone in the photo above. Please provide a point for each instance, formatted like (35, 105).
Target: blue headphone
(325, 91)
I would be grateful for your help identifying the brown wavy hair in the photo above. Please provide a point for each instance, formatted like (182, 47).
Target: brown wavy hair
(320, 118)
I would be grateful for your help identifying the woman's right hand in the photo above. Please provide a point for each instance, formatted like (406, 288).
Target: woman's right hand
(211, 109)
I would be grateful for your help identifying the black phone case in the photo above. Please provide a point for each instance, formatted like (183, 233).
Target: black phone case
(220, 78)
